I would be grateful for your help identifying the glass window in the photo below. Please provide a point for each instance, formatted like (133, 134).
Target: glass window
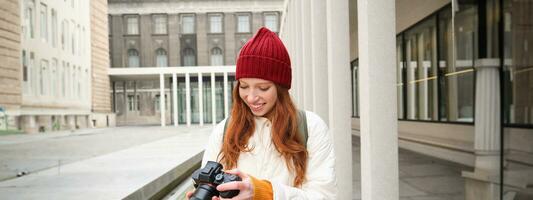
(131, 103)
(24, 67)
(73, 40)
(54, 28)
(243, 23)
(63, 79)
(161, 58)
(187, 24)
(217, 58)
(271, 21)
(189, 57)
(215, 23)
(32, 69)
(44, 22)
(421, 57)
(518, 65)
(53, 76)
(64, 29)
(42, 77)
(461, 75)
(133, 58)
(160, 24)
(157, 103)
(400, 71)
(133, 25)
(29, 19)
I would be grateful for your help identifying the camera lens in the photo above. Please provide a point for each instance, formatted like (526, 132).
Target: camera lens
(204, 192)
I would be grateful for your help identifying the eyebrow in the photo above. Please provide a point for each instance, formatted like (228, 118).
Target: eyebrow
(261, 83)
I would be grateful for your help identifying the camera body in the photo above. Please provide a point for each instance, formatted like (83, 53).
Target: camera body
(208, 178)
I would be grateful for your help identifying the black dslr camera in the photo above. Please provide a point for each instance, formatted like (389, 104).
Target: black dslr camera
(208, 178)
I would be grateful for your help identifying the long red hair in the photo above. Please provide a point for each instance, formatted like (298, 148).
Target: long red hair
(284, 133)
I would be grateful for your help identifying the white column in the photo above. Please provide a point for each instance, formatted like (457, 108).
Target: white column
(319, 64)
(213, 100)
(307, 72)
(175, 98)
(162, 99)
(200, 99)
(188, 98)
(338, 78)
(226, 94)
(483, 183)
(297, 54)
(377, 72)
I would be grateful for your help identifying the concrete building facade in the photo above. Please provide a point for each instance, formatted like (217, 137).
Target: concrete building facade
(50, 78)
(179, 33)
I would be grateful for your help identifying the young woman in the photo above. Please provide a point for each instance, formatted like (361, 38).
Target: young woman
(262, 143)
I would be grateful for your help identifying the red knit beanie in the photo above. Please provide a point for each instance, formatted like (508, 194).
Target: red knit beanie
(265, 57)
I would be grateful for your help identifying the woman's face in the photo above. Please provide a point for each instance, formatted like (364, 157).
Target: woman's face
(260, 95)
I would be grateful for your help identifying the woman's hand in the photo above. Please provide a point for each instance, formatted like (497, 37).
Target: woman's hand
(245, 187)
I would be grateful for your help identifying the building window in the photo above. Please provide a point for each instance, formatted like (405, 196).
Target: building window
(32, 73)
(157, 103)
(42, 77)
(54, 28)
(64, 29)
(217, 58)
(160, 24)
(53, 77)
(187, 24)
(215, 23)
(131, 101)
(110, 24)
(243, 23)
(79, 79)
(133, 58)
(73, 39)
(24, 67)
(29, 19)
(133, 25)
(421, 66)
(63, 78)
(44, 22)
(271, 21)
(189, 57)
(518, 64)
(161, 58)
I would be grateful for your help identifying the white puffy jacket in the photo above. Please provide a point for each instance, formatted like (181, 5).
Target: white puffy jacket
(264, 162)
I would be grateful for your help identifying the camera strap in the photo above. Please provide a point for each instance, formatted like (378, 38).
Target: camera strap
(302, 126)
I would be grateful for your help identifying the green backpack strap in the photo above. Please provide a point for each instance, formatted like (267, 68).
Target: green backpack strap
(302, 126)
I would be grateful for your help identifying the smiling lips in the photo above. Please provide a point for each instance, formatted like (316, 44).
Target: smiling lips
(256, 107)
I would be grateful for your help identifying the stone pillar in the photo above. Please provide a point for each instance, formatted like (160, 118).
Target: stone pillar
(71, 122)
(162, 99)
(307, 72)
(297, 54)
(483, 183)
(319, 60)
(338, 78)
(44, 123)
(377, 72)
(29, 124)
(175, 99)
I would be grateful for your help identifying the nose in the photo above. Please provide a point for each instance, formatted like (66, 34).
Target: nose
(252, 97)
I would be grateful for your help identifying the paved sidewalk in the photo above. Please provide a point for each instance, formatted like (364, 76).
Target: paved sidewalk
(421, 177)
(95, 163)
